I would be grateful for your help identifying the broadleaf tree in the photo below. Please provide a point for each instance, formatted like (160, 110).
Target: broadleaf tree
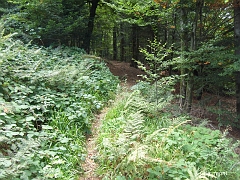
(237, 51)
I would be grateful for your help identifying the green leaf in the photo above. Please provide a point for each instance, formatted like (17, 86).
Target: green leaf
(47, 127)
(26, 174)
(7, 163)
(65, 140)
(157, 173)
(23, 107)
(30, 118)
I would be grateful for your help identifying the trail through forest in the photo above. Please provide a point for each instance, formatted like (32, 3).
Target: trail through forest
(129, 76)
(90, 165)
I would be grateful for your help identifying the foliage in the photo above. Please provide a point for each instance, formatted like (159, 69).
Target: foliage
(155, 68)
(47, 101)
(48, 22)
(135, 12)
(136, 144)
(212, 65)
(155, 57)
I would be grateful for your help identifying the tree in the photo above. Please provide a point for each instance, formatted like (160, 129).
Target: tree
(115, 51)
(197, 23)
(92, 14)
(237, 50)
(184, 47)
(131, 18)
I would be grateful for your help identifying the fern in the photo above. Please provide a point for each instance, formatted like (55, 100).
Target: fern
(136, 102)
(137, 145)
(196, 175)
(134, 125)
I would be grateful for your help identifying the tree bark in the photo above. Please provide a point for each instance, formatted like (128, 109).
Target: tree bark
(193, 47)
(237, 51)
(187, 83)
(184, 47)
(134, 46)
(173, 37)
(115, 43)
(87, 38)
(122, 43)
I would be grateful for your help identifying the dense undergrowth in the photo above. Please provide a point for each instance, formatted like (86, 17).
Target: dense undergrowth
(140, 139)
(47, 100)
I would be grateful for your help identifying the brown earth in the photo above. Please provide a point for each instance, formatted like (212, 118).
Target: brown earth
(126, 73)
(129, 76)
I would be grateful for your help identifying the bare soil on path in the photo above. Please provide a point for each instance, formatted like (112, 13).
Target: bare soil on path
(125, 72)
(90, 165)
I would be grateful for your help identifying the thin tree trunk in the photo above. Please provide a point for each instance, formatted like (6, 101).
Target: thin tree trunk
(173, 34)
(193, 47)
(237, 51)
(201, 20)
(115, 43)
(200, 5)
(87, 38)
(134, 45)
(122, 44)
(184, 48)
(187, 82)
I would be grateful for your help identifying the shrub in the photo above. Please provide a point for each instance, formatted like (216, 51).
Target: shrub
(135, 143)
(47, 101)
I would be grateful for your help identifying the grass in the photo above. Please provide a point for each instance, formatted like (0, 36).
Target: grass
(137, 143)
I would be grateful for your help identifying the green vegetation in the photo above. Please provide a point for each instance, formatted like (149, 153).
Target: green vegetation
(138, 142)
(50, 88)
(199, 36)
(47, 101)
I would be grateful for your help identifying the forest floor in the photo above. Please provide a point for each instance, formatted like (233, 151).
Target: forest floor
(129, 76)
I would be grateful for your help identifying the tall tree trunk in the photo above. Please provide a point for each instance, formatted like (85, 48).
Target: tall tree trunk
(201, 20)
(193, 47)
(184, 48)
(135, 51)
(122, 44)
(187, 83)
(237, 51)
(115, 43)
(173, 34)
(87, 38)
(199, 72)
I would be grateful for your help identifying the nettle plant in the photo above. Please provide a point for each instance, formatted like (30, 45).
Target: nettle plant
(47, 101)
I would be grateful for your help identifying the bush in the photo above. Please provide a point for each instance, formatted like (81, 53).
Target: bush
(135, 143)
(47, 101)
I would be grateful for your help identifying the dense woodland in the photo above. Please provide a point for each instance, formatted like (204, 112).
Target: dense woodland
(52, 81)
(199, 34)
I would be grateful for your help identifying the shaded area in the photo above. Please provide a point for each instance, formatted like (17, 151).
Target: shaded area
(125, 72)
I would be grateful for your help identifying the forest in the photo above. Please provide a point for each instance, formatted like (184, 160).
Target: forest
(180, 120)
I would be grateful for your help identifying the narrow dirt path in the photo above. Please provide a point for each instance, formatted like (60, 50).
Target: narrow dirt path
(129, 76)
(90, 165)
